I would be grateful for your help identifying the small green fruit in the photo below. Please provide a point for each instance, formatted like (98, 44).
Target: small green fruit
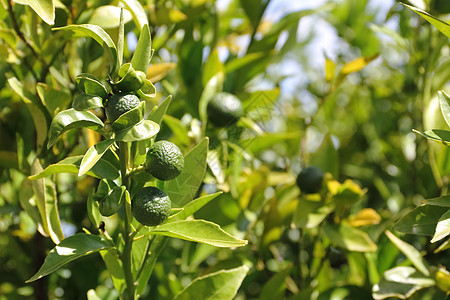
(310, 180)
(119, 104)
(164, 160)
(151, 206)
(224, 110)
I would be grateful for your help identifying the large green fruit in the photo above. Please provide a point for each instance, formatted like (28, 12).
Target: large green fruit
(224, 110)
(119, 104)
(151, 206)
(310, 180)
(164, 160)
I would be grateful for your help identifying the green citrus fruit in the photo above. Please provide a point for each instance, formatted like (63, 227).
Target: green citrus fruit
(119, 104)
(310, 180)
(224, 109)
(164, 160)
(151, 206)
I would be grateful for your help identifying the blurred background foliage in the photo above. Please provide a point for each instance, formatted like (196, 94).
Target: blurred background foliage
(338, 85)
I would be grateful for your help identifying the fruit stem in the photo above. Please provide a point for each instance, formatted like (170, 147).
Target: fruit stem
(127, 249)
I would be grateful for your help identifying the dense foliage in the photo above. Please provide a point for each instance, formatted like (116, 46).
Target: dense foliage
(300, 172)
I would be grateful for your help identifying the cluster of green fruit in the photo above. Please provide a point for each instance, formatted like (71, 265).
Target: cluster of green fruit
(125, 107)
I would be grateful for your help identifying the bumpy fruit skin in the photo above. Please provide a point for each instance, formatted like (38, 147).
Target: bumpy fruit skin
(224, 110)
(164, 160)
(151, 206)
(119, 104)
(310, 180)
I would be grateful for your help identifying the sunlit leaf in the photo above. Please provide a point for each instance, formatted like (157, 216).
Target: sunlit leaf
(102, 169)
(142, 54)
(158, 114)
(108, 16)
(349, 238)
(442, 228)
(412, 253)
(91, 85)
(199, 231)
(221, 285)
(100, 36)
(421, 220)
(158, 71)
(400, 282)
(71, 119)
(193, 206)
(86, 102)
(93, 155)
(443, 201)
(438, 23)
(69, 249)
(183, 188)
(356, 65)
(44, 8)
(144, 130)
(444, 101)
(137, 11)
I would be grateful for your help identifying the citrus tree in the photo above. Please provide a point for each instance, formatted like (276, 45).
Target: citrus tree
(210, 149)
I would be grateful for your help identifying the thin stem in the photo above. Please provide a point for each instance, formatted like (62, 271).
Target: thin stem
(24, 39)
(127, 250)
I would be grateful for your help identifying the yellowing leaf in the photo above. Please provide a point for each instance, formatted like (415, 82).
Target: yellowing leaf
(442, 278)
(156, 72)
(366, 216)
(330, 69)
(356, 65)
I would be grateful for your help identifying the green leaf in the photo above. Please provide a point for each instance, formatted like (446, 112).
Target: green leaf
(93, 155)
(137, 11)
(275, 287)
(183, 188)
(400, 282)
(102, 169)
(212, 67)
(91, 85)
(142, 54)
(86, 102)
(71, 119)
(190, 208)
(421, 221)
(130, 118)
(147, 91)
(443, 201)
(108, 16)
(212, 87)
(131, 79)
(221, 285)
(144, 130)
(54, 100)
(436, 135)
(69, 249)
(46, 201)
(158, 114)
(310, 214)
(442, 228)
(93, 210)
(37, 110)
(412, 253)
(157, 246)
(100, 36)
(444, 101)
(44, 8)
(179, 131)
(439, 24)
(265, 141)
(349, 238)
(199, 231)
(27, 199)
